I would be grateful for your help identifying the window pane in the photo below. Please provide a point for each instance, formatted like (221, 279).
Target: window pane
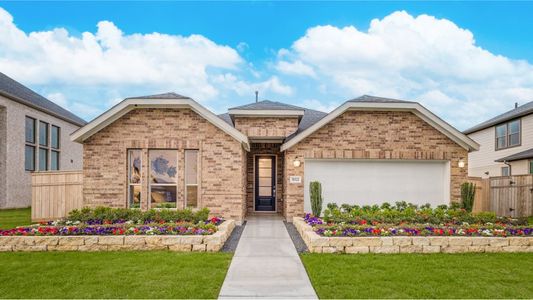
(43, 159)
(531, 167)
(514, 127)
(265, 191)
(501, 142)
(192, 196)
(43, 133)
(55, 137)
(54, 160)
(163, 166)
(163, 196)
(265, 181)
(30, 130)
(265, 172)
(265, 162)
(514, 139)
(135, 166)
(30, 158)
(505, 171)
(191, 166)
(501, 130)
(135, 196)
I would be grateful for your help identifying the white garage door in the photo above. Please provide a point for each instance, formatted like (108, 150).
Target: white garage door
(368, 182)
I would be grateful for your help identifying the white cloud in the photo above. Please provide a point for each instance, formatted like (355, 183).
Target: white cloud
(58, 98)
(295, 68)
(423, 58)
(243, 88)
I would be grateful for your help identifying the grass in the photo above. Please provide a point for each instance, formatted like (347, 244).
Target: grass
(112, 274)
(474, 275)
(11, 218)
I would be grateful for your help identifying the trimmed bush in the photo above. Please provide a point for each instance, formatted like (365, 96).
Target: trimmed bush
(315, 190)
(102, 215)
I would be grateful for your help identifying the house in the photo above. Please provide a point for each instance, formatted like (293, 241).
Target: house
(34, 136)
(167, 150)
(506, 144)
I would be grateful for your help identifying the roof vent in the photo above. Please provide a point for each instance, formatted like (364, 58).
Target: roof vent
(256, 96)
(515, 104)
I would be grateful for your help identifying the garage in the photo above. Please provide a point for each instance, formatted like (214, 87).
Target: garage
(368, 182)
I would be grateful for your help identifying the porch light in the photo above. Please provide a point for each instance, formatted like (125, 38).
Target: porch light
(461, 163)
(296, 163)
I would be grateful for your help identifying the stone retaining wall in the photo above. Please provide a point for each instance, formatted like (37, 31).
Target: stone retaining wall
(182, 243)
(408, 244)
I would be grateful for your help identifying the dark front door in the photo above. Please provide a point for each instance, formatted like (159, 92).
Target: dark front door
(265, 183)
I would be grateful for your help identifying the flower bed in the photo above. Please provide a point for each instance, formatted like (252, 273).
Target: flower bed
(104, 229)
(408, 228)
(350, 229)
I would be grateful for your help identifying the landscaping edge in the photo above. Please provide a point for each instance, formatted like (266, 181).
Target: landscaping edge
(409, 244)
(180, 243)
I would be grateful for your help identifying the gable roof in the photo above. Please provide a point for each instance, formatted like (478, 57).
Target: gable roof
(520, 111)
(371, 103)
(517, 156)
(167, 100)
(266, 105)
(16, 91)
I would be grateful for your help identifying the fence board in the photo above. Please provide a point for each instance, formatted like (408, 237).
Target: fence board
(512, 195)
(55, 194)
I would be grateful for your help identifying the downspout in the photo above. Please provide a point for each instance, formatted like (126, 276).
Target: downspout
(509, 165)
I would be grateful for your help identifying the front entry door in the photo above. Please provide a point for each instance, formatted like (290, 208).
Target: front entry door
(265, 183)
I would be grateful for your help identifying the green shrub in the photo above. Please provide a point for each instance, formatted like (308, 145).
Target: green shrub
(108, 214)
(468, 192)
(404, 212)
(315, 190)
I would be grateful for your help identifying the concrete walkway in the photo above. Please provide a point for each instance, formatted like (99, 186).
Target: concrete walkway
(266, 264)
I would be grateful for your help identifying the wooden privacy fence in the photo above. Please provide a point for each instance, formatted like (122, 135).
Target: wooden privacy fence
(506, 196)
(54, 194)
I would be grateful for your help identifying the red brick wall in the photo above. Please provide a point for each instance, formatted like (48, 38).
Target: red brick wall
(222, 159)
(372, 135)
(266, 126)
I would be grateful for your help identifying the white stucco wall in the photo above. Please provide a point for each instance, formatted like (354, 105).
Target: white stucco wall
(17, 184)
(483, 160)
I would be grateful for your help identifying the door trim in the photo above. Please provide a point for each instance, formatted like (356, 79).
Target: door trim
(275, 184)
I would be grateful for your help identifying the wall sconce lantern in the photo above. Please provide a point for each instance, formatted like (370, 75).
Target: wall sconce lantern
(296, 163)
(461, 163)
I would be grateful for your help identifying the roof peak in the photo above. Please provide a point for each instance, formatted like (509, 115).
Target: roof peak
(266, 104)
(168, 95)
(370, 98)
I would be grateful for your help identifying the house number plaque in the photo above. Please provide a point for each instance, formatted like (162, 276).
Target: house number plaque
(295, 179)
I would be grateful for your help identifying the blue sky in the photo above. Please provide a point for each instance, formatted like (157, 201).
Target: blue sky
(466, 61)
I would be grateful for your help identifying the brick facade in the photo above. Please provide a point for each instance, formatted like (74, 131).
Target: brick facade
(222, 163)
(266, 126)
(372, 135)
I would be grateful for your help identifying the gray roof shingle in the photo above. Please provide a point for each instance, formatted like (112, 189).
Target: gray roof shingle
(374, 99)
(520, 111)
(517, 156)
(169, 95)
(226, 118)
(267, 105)
(16, 91)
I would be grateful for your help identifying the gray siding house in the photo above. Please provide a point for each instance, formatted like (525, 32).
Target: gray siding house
(34, 136)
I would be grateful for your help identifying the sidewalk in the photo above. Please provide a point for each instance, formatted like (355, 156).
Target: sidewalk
(266, 264)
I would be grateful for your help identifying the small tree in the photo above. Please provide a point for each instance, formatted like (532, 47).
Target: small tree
(468, 192)
(315, 190)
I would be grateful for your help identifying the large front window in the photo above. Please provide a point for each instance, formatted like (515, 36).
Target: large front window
(134, 178)
(508, 135)
(163, 178)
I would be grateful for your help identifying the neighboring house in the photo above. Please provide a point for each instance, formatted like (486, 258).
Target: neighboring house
(169, 151)
(506, 144)
(34, 136)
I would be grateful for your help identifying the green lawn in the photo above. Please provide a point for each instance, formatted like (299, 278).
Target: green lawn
(10, 218)
(112, 274)
(473, 275)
